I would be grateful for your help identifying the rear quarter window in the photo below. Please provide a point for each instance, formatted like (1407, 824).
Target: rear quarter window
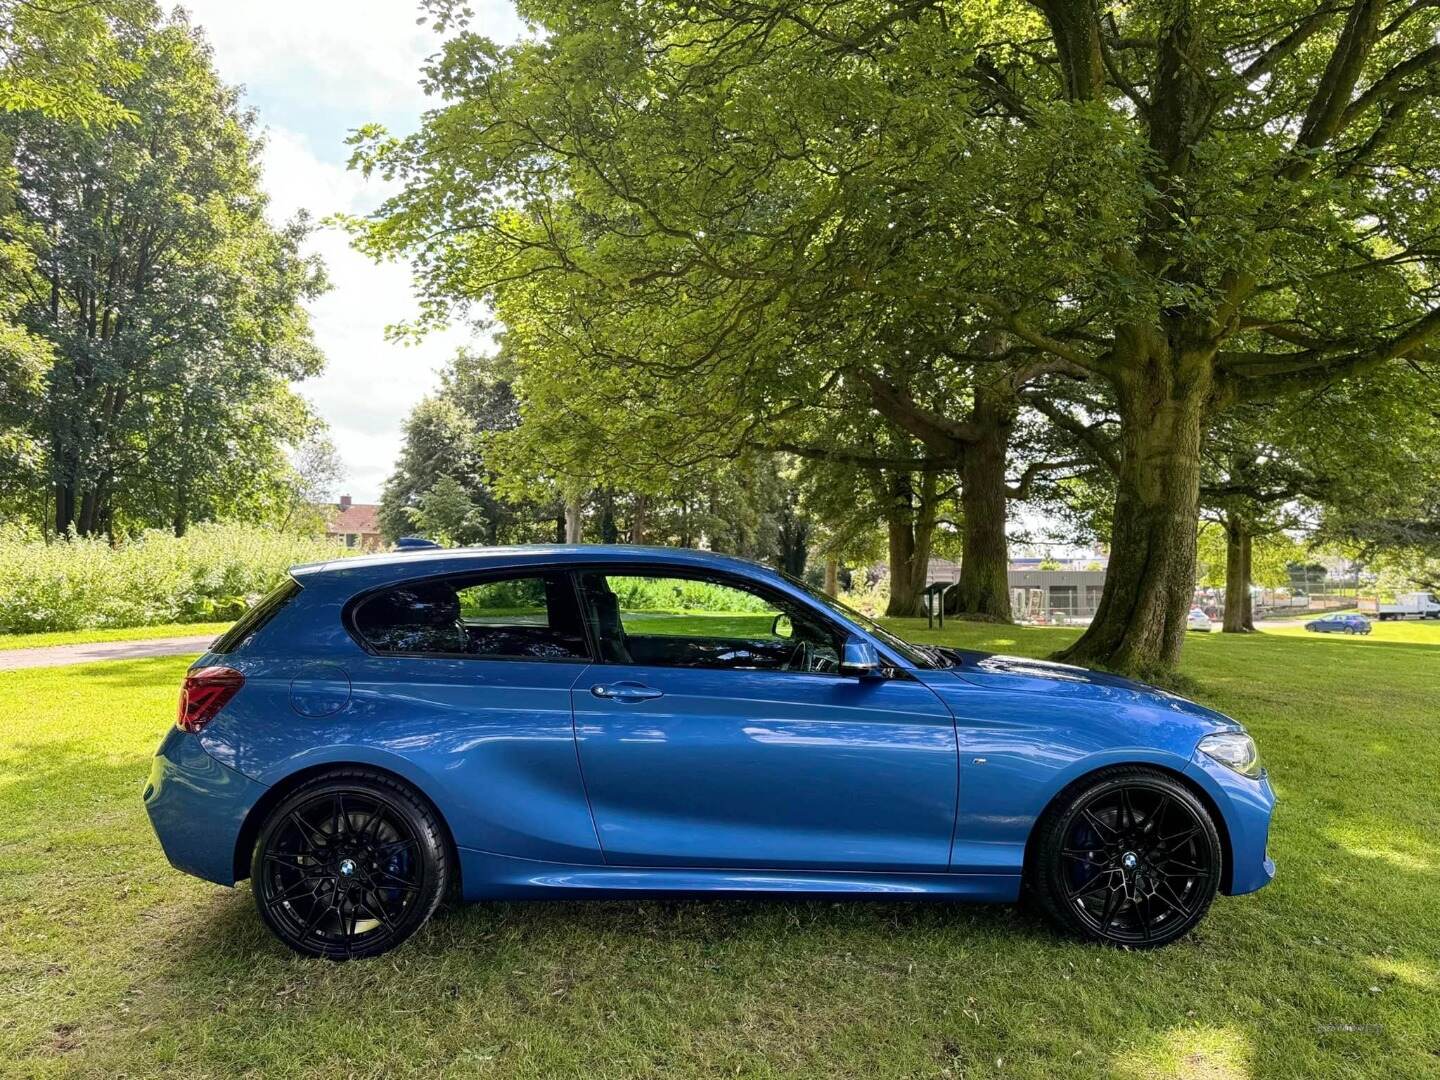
(520, 616)
(255, 619)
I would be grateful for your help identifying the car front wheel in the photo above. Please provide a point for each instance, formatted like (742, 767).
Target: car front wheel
(1129, 857)
(349, 865)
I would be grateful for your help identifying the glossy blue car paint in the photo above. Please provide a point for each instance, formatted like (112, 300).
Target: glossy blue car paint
(927, 783)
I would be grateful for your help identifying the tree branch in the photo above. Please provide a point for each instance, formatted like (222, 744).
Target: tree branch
(1327, 370)
(1088, 434)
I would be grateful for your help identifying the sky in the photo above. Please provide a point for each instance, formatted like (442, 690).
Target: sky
(314, 70)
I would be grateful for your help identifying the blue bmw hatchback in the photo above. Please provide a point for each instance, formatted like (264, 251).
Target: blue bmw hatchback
(607, 721)
(1339, 624)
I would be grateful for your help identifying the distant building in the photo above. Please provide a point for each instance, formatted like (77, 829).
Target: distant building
(1070, 592)
(1055, 595)
(357, 525)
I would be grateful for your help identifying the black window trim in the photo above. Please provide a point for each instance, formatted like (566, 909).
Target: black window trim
(356, 602)
(720, 577)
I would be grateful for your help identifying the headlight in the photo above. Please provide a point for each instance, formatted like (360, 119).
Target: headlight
(1234, 750)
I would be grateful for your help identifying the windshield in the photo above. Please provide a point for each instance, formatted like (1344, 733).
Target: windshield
(922, 656)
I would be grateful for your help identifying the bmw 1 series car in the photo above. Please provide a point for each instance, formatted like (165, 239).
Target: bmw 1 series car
(1339, 624)
(595, 721)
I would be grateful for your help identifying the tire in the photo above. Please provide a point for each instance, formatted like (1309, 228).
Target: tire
(1140, 881)
(349, 865)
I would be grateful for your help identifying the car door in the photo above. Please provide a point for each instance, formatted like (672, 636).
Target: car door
(708, 736)
(468, 679)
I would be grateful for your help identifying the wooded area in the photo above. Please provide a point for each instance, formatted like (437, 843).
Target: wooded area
(151, 320)
(1136, 263)
(821, 283)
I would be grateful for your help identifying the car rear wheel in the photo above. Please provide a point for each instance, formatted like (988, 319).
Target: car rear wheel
(1130, 857)
(349, 865)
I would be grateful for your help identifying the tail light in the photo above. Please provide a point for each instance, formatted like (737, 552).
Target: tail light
(204, 694)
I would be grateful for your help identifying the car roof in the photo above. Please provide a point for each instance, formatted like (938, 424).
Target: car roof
(450, 560)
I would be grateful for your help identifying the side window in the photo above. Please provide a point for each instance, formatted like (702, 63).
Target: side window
(532, 617)
(683, 621)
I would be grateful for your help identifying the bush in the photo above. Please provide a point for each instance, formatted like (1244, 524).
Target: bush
(681, 596)
(213, 572)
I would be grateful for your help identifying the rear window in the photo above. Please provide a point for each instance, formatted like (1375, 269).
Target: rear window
(251, 622)
(525, 617)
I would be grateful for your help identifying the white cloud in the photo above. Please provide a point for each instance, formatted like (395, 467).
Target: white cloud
(316, 69)
(341, 54)
(369, 383)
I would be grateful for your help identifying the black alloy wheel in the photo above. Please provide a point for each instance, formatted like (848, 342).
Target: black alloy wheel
(1130, 858)
(349, 865)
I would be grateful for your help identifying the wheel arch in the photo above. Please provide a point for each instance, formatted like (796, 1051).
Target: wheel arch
(255, 817)
(1188, 783)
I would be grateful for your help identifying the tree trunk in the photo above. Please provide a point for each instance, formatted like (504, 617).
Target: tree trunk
(64, 509)
(983, 591)
(181, 518)
(832, 576)
(1139, 626)
(905, 599)
(793, 542)
(637, 519)
(574, 518)
(912, 527)
(1237, 576)
(1249, 580)
(609, 529)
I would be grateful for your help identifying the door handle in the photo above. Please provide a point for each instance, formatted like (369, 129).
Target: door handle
(625, 691)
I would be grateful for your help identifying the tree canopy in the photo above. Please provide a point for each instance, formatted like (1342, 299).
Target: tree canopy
(727, 212)
(172, 310)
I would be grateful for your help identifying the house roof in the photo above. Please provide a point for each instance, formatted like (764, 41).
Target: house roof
(356, 518)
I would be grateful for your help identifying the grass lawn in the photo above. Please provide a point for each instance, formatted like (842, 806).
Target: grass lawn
(132, 633)
(113, 964)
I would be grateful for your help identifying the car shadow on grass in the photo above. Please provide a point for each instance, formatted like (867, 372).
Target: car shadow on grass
(1331, 961)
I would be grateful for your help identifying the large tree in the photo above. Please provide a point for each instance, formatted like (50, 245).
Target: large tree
(62, 63)
(1192, 204)
(174, 309)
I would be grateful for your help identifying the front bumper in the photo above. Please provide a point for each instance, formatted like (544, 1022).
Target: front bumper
(197, 807)
(1246, 806)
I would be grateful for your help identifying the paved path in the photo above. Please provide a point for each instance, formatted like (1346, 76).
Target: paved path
(56, 655)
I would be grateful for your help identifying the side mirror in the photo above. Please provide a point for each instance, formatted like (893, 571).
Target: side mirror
(859, 659)
(782, 627)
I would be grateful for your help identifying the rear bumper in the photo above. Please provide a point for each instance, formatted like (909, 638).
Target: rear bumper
(197, 807)
(1246, 805)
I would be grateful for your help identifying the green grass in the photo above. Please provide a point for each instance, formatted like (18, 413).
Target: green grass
(113, 964)
(1413, 630)
(133, 633)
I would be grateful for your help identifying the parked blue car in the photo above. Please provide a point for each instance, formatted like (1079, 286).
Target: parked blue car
(1339, 624)
(618, 722)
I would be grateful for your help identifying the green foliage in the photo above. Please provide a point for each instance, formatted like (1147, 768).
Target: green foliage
(212, 573)
(446, 514)
(1271, 556)
(63, 61)
(446, 481)
(58, 63)
(717, 226)
(682, 596)
(156, 408)
(516, 596)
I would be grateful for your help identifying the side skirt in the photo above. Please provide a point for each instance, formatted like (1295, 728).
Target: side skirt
(500, 877)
